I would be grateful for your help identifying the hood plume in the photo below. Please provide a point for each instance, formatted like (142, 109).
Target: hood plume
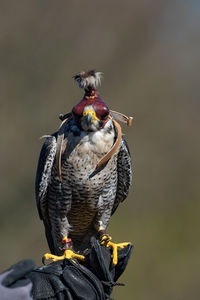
(88, 80)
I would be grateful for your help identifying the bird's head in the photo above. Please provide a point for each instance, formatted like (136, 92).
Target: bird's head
(91, 113)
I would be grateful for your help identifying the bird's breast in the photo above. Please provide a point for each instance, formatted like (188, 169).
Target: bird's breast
(78, 164)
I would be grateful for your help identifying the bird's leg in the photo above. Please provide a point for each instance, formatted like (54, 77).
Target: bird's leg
(105, 240)
(68, 253)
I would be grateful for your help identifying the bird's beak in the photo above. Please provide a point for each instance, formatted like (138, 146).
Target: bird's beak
(89, 117)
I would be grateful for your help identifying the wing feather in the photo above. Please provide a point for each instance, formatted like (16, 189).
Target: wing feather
(43, 175)
(124, 172)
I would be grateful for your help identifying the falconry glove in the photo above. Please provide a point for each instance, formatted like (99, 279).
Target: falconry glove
(67, 279)
(91, 279)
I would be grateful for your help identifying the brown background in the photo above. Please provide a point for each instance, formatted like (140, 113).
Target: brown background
(149, 53)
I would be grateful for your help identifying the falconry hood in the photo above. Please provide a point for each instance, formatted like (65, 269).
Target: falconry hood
(89, 81)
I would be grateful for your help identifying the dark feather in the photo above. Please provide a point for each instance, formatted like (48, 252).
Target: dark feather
(47, 155)
(124, 172)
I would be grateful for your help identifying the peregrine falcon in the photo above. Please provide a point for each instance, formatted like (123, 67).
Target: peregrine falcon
(84, 172)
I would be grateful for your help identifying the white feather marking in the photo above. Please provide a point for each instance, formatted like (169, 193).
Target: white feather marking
(100, 204)
(45, 136)
(88, 79)
(99, 141)
(100, 225)
(47, 170)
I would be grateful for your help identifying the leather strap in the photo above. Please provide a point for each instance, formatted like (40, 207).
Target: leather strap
(114, 147)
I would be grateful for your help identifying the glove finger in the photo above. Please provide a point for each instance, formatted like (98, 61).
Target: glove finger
(123, 258)
(17, 271)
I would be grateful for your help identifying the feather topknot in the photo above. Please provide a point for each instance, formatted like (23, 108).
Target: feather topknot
(88, 80)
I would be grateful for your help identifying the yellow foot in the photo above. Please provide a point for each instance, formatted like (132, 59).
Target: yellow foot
(67, 254)
(106, 241)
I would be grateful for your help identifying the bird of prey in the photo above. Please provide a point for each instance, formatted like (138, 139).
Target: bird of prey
(84, 172)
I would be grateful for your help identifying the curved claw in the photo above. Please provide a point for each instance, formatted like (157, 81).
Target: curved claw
(67, 254)
(106, 241)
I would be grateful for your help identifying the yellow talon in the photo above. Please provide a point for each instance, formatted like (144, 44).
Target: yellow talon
(106, 241)
(67, 254)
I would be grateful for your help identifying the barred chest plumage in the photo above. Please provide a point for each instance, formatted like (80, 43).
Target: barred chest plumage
(92, 192)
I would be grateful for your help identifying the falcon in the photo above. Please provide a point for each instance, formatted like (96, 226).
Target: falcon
(84, 172)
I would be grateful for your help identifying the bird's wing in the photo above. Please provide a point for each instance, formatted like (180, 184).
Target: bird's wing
(43, 174)
(124, 172)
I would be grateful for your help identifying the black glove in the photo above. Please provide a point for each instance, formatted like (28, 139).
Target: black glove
(99, 261)
(14, 284)
(91, 279)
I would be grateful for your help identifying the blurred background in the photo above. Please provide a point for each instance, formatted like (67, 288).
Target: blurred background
(149, 54)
